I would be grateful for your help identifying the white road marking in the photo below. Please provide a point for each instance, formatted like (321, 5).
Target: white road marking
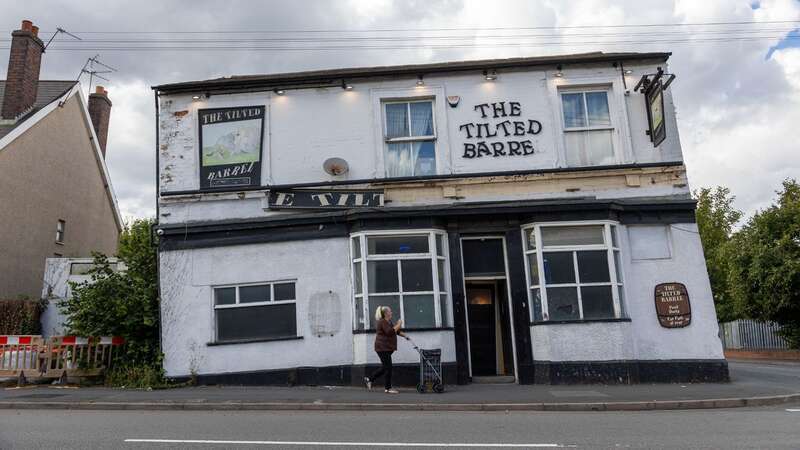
(341, 444)
(792, 410)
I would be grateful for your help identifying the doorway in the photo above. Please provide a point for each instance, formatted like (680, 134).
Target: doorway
(488, 315)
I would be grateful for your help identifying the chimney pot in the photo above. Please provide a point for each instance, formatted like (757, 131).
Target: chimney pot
(99, 89)
(35, 30)
(22, 80)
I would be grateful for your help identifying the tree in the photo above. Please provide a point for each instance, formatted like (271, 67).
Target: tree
(716, 218)
(764, 265)
(121, 303)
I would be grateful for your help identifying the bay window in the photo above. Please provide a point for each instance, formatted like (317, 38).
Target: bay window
(573, 271)
(410, 137)
(588, 129)
(406, 271)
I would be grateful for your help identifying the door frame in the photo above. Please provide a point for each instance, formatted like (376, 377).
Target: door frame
(506, 278)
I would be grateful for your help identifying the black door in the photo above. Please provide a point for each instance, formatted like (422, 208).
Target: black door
(482, 333)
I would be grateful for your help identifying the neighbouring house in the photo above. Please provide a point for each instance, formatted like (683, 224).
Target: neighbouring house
(530, 217)
(55, 193)
(58, 274)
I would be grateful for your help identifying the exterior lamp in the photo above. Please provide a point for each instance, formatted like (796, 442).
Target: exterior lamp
(559, 73)
(195, 97)
(280, 91)
(628, 71)
(420, 83)
(489, 76)
(347, 87)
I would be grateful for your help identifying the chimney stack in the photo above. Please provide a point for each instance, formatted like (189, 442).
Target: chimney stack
(22, 81)
(100, 112)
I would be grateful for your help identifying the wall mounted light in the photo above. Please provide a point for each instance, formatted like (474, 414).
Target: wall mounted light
(347, 87)
(420, 83)
(195, 97)
(628, 71)
(489, 76)
(559, 73)
(279, 91)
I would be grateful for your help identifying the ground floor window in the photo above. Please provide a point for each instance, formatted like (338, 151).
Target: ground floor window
(573, 271)
(255, 311)
(406, 271)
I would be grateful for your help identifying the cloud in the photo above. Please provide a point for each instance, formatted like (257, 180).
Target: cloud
(738, 102)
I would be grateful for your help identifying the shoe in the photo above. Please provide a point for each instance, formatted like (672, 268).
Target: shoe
(391, 391)
(368, 383)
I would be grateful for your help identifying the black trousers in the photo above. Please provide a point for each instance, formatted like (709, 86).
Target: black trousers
(385, 370)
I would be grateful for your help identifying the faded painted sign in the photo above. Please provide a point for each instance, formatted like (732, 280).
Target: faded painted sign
(231, 142)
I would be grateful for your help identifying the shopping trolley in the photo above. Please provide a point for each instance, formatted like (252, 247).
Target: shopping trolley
(430, 369)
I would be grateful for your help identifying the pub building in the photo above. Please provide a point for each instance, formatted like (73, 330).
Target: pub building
(530, 217)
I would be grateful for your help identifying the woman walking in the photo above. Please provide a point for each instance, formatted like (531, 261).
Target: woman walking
(385, 344)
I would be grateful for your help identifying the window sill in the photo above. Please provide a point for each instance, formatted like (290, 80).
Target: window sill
(567, 322)
(253, 341)
(404, 330)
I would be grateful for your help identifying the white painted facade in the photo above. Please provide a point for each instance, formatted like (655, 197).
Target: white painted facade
(304, 127)
(58, 274)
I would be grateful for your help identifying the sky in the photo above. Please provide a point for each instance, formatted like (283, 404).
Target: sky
(738, 101)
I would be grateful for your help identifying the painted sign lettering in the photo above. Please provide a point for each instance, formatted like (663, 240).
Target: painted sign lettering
(672, 305)
(333, 199)
(231, 142)
(504, 122)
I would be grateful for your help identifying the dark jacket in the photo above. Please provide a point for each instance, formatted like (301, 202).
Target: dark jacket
(385, 336)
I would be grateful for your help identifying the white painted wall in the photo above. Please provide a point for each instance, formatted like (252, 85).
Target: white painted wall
(305, 127)
(364, 351)
(319, 266)
(643, 337)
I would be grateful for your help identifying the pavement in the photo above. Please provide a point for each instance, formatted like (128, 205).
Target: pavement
(752, 384)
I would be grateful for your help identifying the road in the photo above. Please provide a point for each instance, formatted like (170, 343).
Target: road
(773, 428)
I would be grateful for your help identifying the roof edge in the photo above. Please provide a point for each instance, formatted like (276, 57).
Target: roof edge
(327, 75)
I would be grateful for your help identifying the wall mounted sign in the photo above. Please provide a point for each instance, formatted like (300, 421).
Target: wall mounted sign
(672, 305)
(504, 127)
(655, 113)
(333, 199)
(231, 141)
(653, 89)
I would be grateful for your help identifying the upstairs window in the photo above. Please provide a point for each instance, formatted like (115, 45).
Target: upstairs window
(588, 129)
(410, 137)
(60, 227)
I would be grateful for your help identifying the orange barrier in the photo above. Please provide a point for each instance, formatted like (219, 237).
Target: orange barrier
(59, 357)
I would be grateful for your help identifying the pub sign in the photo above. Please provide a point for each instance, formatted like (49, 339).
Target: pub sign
(231, 141)
(672, 305)
(655, 113)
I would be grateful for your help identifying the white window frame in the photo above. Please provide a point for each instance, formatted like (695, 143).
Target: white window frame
(410, 139)
(611, 247)
(238, 304)
(609, 90)
(432, 255)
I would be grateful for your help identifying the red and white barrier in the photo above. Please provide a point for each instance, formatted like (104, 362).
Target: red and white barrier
(60, 356)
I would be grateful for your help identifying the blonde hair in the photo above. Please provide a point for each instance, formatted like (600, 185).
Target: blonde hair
(379, 312)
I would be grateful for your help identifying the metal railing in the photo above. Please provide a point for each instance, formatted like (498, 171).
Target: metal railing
(751, 335)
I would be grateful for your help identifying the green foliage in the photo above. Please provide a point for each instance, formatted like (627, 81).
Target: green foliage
(121, 303)
(716, 218)
(20, 316)
(764, 264)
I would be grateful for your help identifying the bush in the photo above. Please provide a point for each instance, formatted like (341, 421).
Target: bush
(20, 316)
(123, 304)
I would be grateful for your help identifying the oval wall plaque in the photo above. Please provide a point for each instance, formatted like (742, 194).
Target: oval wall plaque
(672, 305)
